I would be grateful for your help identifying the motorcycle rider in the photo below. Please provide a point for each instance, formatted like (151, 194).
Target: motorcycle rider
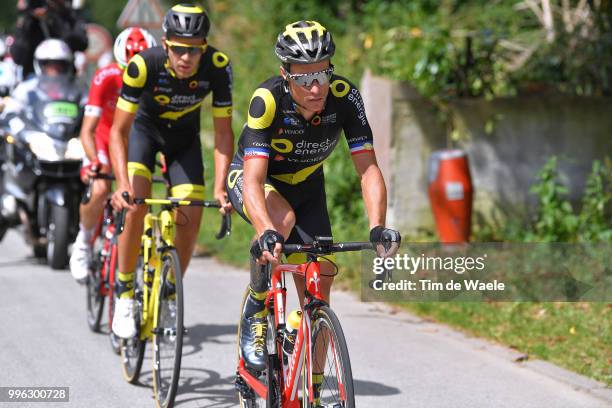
(53, 62)
(52, 59)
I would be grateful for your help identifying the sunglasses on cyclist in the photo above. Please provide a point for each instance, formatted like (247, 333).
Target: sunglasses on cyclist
(322, 77)
(182, 49)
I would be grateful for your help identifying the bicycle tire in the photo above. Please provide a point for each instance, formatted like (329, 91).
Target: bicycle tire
(132, 350)
(94, 298)
(325, 324)
(113, 268)
(166, 370)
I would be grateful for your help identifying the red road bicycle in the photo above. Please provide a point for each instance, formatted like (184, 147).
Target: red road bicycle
(318, 347)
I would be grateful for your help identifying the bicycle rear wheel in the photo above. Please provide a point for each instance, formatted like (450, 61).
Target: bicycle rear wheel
(329, 344)
(132, 350)
(168, 333)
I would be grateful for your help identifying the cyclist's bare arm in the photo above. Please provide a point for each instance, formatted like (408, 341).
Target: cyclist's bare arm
(119, 134)
(373, 188)
(255, 171)
(224, 151)
(88, 136)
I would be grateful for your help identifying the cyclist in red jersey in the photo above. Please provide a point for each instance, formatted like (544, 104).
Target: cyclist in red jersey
(103, 94)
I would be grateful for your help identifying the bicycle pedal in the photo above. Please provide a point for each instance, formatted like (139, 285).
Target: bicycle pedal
(243, 388)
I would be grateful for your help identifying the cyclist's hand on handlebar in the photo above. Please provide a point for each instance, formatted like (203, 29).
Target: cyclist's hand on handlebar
(90, 170)
(268, 247)
(385, 240)
(118, 201)
(226, 206)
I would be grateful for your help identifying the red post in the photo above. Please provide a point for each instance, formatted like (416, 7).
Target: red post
(450, 194)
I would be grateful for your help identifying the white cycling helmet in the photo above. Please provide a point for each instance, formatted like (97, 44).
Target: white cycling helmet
(53, 50)
(130, 42)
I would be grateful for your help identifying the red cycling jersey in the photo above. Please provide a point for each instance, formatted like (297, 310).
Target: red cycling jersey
(103, 94)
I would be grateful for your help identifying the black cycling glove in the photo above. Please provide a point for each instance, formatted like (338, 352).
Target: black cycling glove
(266, 242)
(385, 240)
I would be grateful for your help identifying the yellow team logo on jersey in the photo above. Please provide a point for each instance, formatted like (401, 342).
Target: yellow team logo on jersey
(162, 99)
(282, 145)
(219, 59)
(339, 88)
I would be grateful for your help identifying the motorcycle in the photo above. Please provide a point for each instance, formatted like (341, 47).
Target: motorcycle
(41, 188)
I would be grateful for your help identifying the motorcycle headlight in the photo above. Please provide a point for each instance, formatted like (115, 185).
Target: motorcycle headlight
(43, 146)
(74, 150)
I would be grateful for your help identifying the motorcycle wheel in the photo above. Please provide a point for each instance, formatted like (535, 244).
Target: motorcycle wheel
(58, 237)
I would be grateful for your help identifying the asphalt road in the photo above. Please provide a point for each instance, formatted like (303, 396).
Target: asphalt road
(398, 360)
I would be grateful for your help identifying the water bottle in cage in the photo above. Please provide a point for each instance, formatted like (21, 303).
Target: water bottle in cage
(291, 329)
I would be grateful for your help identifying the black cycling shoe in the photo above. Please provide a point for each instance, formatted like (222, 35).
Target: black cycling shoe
(253, 342)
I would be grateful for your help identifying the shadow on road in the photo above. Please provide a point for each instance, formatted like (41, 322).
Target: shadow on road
(207, 333)
(373, 388)
(200, 388)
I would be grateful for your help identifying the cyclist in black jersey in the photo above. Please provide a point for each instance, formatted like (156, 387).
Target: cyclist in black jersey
(276, 179)
(158, 110)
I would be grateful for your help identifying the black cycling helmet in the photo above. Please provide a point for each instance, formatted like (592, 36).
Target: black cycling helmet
(186, 21)
(304, 42)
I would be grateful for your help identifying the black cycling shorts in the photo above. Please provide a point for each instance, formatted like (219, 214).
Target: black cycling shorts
(183, 161)
(307, 199)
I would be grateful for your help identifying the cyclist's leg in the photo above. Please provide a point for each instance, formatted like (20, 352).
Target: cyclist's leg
(186, 175)
(253, 325)
(313, 220)
(90, 214)
(141, 163)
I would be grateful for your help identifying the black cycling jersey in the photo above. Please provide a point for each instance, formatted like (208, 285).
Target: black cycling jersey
(151, 89)
(295, 147)
(168, 115)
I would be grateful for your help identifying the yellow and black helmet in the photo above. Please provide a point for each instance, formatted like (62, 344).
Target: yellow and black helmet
(304, 42)
(186, 21)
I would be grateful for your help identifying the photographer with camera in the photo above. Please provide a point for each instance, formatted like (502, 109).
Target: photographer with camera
(42, 19)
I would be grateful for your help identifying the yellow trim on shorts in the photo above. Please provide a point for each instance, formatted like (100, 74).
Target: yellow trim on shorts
(139, 169)
(267, 189)
(126, 106)
(300, 258)
(188, 191)
(222, 112)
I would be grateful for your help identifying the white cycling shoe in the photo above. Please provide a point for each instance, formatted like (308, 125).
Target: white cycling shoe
(124, 325)
(80, 258)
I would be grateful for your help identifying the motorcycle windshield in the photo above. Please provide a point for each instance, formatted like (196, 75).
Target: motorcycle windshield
(57, 113)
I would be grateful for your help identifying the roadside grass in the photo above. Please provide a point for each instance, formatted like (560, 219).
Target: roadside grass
(577, 336)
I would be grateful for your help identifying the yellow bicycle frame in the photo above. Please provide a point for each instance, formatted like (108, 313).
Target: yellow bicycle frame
(158, 229)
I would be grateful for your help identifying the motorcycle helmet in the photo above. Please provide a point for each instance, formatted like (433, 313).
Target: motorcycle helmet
(53, 52)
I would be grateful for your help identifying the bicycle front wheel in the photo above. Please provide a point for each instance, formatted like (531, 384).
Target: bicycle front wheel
(95, 299)
(132, 350)
(330, 363)
(168, 332)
